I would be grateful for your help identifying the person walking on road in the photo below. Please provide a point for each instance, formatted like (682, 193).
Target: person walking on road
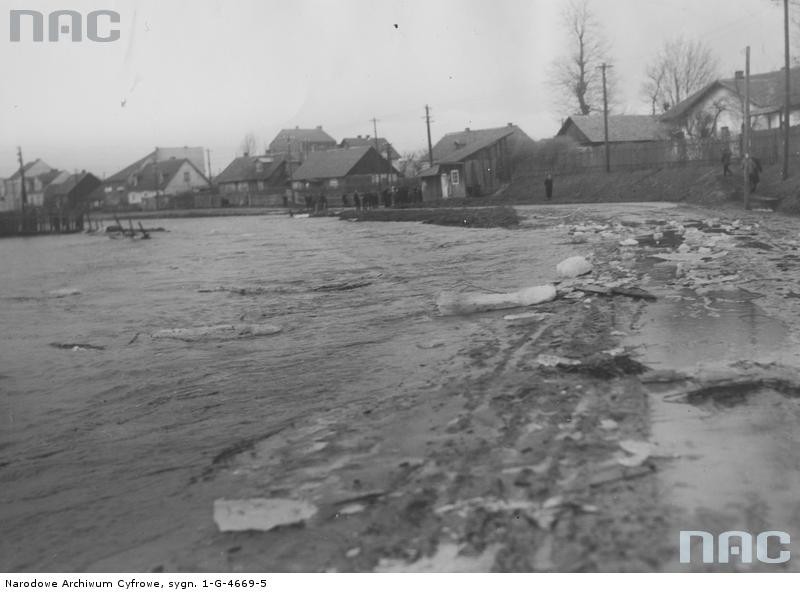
(548, 185)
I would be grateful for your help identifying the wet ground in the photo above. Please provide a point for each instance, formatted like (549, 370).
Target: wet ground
(423, 442)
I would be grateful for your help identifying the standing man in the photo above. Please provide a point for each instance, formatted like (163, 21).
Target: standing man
(726, 161)
(548, 185)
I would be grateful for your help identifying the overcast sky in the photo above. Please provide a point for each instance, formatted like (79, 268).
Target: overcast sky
(207, 72)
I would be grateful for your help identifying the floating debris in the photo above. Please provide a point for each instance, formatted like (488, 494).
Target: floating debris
(60, 293)
(76, 347)
(573, 267)
(219, 332)
(450, 303)
(260, 514)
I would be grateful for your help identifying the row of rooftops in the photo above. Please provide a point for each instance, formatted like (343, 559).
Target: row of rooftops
(317, 154)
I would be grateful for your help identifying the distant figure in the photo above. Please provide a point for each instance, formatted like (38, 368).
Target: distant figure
(753, 168)
(726, 161)
(548, 185)
(356, 201)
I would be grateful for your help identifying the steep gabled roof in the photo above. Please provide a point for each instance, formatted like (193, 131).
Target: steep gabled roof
(457, 142)
(123, 175)
(64, 184)
(621, 128)
(383, 143)
(157, 176)
(298, 137)
(767, 91)
(328, 164)
(246, 168)
(28, 166)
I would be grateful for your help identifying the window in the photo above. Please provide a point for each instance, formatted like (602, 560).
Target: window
(455, 179)
(334, 183)
(259, 167)
(261, 186)
(187, 177)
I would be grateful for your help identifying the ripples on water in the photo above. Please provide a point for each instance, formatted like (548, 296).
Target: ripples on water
(97, 446)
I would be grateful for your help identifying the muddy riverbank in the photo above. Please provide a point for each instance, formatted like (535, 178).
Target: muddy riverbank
(422, 442)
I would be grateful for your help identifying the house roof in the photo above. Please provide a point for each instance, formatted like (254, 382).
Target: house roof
(767, 91)
(367, 141)
(327, 164)
(27, 167)
(48, 177)
(621, 128)
(430, 171)
(122, 176)
(245, 168)
(456, 146)
(300, 135)
(156, 176)
(65, 183)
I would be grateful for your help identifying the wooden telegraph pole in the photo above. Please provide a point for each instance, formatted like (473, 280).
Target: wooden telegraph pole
(746, 145)
(604, 67)
(377, 146)
(428, 125)
(788, 90)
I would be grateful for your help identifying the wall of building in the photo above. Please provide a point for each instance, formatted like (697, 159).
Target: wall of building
(194, 154)
(185, 180)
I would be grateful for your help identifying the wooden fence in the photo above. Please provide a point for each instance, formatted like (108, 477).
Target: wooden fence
(767, 145)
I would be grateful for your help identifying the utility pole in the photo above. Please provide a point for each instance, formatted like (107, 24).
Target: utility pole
(746, 148)
(23, 191)
(428, 124)
(377, 148)
(604, 67)
(289, 164)
(786, 98)
(208, 159)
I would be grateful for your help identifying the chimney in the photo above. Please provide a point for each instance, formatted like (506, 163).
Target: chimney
(466, 129)
(319, 127)
(510, 124)
(739, 75)
(359, 136)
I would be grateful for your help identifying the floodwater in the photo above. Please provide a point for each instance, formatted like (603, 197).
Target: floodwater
(103, 445)
(732, 462)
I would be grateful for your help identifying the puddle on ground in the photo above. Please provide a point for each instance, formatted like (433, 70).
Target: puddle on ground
(725, 465)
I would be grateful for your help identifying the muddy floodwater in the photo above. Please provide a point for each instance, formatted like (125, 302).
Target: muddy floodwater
(98, 446)
(265, 356)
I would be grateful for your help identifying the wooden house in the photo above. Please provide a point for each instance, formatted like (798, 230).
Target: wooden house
(472, 162)
(342, 171)
(261, 180)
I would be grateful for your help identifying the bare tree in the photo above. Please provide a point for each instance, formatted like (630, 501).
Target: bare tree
(681, 68)
(576, 76)
(249, 144)
(653, 87)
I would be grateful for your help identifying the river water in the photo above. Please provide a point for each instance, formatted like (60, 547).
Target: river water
(100, 443)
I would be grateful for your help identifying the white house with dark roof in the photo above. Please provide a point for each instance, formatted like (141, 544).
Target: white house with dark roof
(718, 108)
(167, 178)
(119, 186)
(38, 175)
